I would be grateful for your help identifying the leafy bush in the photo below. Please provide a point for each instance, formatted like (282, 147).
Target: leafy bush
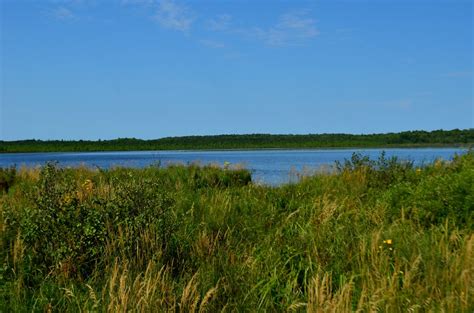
(7, 178)
(440, 191)
(381, 173)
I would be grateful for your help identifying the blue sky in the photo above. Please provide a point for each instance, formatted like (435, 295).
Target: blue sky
(90, 69)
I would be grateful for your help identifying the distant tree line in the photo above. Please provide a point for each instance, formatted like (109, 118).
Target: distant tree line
(455, 137)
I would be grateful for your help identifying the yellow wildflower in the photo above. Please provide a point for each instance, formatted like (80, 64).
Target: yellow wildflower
(88, 185)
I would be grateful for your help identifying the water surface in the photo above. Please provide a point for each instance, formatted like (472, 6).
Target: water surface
(267, 166)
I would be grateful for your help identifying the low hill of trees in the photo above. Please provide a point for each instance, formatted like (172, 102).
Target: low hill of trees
(455, 137)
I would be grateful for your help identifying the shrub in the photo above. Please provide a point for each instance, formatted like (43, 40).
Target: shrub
(7, 178)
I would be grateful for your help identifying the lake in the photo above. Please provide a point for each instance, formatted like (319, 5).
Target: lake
(268, 166)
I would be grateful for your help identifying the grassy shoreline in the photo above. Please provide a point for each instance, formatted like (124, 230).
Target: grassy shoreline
(377, 147)
(373, 235)
(467, 147)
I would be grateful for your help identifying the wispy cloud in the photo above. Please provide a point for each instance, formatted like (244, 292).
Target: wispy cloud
(220, 23)
(294, 27)
(299, 21)
(344, 30)
(74, 3)
(137, 2)
(212, 44)
(70, 2)
(68, 10)
(62, 13)
(234, 55)
(174, 16)
(458, 74)
(399, 104)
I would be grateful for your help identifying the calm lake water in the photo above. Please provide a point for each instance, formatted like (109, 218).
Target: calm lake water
(267, 166)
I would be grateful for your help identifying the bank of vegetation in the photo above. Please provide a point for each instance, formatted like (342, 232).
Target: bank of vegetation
(435, 138)
(370, 236)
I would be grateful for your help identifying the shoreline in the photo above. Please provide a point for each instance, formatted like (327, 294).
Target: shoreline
(441, 146)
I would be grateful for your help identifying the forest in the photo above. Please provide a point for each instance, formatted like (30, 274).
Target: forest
(455, 137)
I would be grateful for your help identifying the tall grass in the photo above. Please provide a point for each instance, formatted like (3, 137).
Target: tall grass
(370, 236)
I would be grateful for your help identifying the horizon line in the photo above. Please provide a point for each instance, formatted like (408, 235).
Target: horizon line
(246, 134)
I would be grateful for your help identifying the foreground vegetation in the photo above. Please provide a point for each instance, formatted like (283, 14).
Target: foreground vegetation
(369, 236)
(453, 137)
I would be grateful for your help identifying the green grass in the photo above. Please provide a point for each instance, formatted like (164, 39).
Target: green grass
(370, 236)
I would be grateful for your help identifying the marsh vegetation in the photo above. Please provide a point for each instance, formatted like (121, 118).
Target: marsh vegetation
(377, 235)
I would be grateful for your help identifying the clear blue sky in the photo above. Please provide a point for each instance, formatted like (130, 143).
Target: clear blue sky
(90, 69)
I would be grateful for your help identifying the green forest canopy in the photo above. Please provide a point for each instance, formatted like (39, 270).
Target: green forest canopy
(455, 137)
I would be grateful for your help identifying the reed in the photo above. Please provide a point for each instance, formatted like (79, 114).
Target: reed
(366, 236)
